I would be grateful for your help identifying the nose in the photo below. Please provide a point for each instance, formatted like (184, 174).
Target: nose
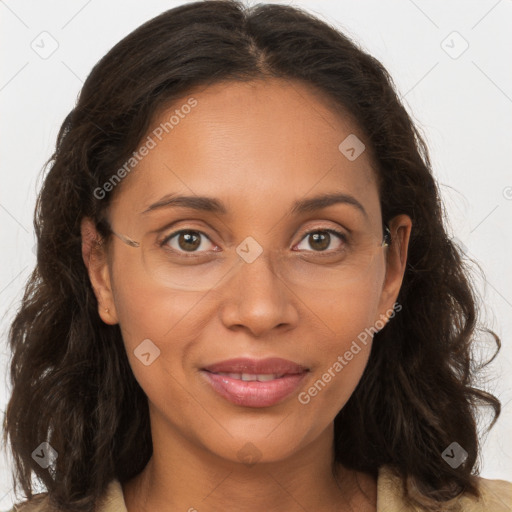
(257, 299)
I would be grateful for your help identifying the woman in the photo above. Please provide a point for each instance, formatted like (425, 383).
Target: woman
(245, 297)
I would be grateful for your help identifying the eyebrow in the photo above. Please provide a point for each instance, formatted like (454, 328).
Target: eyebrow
(210, 204)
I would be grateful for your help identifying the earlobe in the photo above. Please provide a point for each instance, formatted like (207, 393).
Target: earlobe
(95, 259)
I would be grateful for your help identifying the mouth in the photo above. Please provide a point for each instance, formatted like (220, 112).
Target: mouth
(249, 377)
(255, 383)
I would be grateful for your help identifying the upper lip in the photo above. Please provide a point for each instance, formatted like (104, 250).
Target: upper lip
(271, 365)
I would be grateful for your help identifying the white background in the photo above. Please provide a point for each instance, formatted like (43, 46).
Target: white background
(463, 106)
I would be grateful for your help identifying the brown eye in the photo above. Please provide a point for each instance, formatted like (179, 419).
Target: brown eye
(321, 239)
(187, 240)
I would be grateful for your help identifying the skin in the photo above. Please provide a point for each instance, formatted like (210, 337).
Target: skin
(273, 142)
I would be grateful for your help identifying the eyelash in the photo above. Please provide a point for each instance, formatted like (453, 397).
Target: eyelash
(339, 234)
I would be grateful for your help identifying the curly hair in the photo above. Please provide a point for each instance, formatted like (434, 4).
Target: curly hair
(72, 385)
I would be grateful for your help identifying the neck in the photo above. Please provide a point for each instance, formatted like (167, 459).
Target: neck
(184, 476)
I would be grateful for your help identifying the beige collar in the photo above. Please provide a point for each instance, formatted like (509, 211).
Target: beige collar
(496, 497)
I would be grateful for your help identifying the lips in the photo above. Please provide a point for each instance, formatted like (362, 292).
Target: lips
(274, 365)
(255, 383)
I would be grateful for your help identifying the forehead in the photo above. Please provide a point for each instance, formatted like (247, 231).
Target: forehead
(252, 144)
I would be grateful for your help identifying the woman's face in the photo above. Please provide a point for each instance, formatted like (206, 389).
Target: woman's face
(256, 148)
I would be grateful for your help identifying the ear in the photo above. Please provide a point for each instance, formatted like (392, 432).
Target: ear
(95, 258)
(396, 261)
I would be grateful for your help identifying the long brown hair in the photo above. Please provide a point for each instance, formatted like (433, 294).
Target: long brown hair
(72, 384)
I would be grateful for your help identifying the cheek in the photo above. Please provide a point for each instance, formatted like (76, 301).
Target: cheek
(345, 347)
(159, 323)
(171, 321)
(168, 319)
(144, 308)
(343, 314)
(336, 377)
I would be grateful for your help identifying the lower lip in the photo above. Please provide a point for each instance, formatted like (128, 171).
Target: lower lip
(254, 393)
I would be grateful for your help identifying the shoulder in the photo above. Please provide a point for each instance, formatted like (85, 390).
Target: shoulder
(38, 503)
(496, 496)
(111, 501)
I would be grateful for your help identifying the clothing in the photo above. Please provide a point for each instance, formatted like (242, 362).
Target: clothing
(496, 497)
